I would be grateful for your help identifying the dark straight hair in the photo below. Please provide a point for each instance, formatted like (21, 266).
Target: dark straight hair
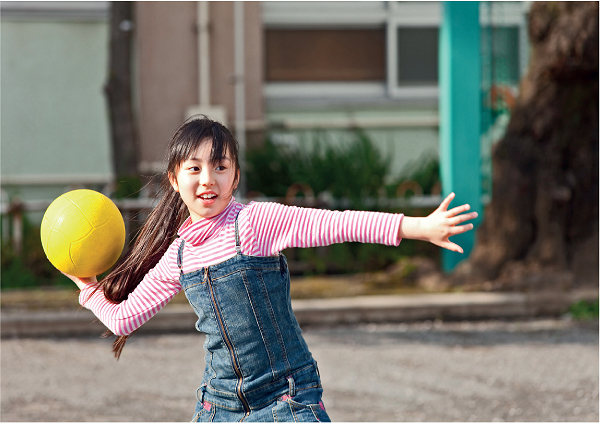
(160, 229)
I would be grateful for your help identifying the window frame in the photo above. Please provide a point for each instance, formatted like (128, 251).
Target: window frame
(377, 14)
(75, 11)
(324, 15)
(408, 15)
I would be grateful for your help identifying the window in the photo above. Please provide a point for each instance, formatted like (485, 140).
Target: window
(324, 55)
(503, 43)
(417, 56)
(377, 51)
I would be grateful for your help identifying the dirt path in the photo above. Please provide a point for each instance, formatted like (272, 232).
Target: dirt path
(541, 370)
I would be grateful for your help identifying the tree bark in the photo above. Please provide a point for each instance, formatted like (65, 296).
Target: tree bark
(119, 95)
(541, 228)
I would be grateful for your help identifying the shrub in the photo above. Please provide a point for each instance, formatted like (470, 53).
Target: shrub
(354, 171)
(585, 310)
(30, 268)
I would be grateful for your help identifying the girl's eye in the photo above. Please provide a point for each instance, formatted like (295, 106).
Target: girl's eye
(221, 168)
(194, 168)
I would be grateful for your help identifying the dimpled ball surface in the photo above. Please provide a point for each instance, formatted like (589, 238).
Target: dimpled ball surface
(83, 233)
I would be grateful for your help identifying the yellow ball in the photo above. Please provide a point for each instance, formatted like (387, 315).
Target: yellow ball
(83, 233)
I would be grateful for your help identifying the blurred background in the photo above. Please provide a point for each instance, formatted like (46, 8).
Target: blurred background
(335, 104)
(383, 106)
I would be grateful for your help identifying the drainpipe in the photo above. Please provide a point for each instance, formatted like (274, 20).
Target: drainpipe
(216, 112)
(239, 90)
(204, 69)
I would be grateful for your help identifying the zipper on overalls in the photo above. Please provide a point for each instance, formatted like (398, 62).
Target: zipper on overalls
(229, 346)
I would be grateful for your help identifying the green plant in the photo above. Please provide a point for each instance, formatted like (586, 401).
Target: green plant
(425, 171)
(30, 268)
(270, 169)
(585, 310)
(354, 171)
(128, 187)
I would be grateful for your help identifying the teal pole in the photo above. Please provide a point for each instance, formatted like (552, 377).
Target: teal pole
(459, 109)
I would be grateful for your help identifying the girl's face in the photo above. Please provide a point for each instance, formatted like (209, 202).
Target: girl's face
(205, 188)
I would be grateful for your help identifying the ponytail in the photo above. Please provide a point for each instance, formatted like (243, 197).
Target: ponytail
(151, 243)
(160, 229)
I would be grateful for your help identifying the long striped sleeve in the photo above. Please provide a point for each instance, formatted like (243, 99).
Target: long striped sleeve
(265, 229)
(150, 296)
(277, 227)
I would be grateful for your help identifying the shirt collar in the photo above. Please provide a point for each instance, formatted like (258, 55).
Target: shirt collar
(205, 228)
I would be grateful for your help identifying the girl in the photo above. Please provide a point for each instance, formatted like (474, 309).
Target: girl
(226, 257)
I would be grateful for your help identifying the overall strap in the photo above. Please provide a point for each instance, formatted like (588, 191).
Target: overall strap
(180, 257)
(238, 250)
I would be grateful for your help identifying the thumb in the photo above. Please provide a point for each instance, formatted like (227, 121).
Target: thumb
(446, 202)
(452, 247)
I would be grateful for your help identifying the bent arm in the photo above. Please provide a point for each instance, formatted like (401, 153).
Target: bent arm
(126, 317)
(156, 290)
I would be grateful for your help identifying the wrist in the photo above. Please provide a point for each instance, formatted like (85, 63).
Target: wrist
(82, 283)
(407, 227)
(411, 228)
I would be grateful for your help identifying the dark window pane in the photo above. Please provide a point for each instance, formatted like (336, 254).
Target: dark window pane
(417, 50)
(505, 59)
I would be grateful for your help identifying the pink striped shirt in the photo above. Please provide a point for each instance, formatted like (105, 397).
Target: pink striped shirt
(265, 229)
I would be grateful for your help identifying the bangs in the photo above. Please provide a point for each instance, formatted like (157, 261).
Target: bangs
(193, 134)
(219, 149)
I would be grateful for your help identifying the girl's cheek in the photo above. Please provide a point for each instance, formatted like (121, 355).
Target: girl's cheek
(233, 187)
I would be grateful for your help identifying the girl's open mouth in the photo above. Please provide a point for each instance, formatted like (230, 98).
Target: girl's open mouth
(208, 198)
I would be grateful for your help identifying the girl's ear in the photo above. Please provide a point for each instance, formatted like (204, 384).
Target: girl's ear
(173, 181)
(237, 181)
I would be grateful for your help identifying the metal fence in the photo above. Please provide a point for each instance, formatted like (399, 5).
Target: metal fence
(13, 212)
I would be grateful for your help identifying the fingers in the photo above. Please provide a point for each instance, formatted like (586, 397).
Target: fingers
(70, 277)
(460, 229)
(462, 218)
(82, 280)
(446, 202)
(453, 231)
(459, 209)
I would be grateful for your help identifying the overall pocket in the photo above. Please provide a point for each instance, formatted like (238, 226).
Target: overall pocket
(205, 412)
(306, 406)
(209, 412)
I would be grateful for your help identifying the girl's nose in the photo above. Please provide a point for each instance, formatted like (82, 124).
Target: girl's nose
(206, 177)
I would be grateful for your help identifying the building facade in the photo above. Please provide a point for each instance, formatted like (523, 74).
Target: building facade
(282, 70)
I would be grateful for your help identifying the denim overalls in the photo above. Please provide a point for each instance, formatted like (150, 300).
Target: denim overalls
(258, 366)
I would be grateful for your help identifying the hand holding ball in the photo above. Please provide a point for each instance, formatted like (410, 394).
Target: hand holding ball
(83, 233)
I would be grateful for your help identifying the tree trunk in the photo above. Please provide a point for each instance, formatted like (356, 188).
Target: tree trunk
(119, 95)
(541, 228)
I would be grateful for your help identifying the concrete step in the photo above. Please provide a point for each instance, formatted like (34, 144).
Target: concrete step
(350, 310)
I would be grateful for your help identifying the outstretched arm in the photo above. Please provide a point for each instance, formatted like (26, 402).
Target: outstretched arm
(277, 227)
(439, 225)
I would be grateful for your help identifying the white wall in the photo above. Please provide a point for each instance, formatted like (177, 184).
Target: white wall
(54, 121)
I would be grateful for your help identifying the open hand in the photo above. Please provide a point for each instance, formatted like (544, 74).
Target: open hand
(439, 225)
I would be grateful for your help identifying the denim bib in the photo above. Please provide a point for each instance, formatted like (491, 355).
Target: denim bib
(258, 366)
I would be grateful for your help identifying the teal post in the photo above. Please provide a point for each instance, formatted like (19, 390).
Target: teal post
(459, 109)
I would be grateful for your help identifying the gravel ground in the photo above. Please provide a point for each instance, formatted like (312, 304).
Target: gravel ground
(539, 370)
